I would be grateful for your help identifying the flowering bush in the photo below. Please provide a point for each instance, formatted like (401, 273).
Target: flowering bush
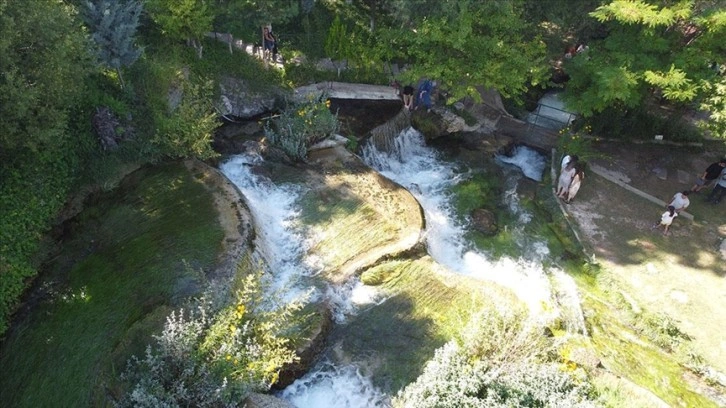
(497, 363)
(577, 143)
(203, 358)
(301, 125)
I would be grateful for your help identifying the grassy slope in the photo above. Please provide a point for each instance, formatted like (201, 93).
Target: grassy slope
(122, 266)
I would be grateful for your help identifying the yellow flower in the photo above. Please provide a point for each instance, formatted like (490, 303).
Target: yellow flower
(229, 357)
(232, 328)
(327, 103)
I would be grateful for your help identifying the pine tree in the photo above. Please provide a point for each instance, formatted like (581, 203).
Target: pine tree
(113, 26)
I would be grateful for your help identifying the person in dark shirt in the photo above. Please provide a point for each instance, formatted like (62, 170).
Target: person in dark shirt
(708, 176)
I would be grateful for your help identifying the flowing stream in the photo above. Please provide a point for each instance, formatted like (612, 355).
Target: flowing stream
(418, 168)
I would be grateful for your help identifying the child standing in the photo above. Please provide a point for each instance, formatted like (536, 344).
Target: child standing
(666, 219)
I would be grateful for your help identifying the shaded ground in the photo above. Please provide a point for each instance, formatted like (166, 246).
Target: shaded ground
(681, 275)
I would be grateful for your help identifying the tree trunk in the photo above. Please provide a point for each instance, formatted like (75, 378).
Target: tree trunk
(120, 78)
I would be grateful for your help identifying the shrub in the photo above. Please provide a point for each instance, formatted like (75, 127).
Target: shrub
(301, 125)
(207, 357)
(577, 143)
(497, 363)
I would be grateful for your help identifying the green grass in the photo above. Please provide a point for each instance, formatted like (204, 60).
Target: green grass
(125, 261)
(626, 350)
(426, 309)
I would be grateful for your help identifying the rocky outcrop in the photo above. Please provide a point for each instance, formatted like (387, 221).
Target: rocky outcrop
(239, 101)
(255, 400)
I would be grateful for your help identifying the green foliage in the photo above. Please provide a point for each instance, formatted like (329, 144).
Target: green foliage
(301, 125)
(182, 19)
(640, 124)
(189, 128)
(113, 26)
(471, 44)
(577, 143)
(244, 18)
(208, 357)
(43, 76)
(715, 104)
(650, 51)
(501, 361)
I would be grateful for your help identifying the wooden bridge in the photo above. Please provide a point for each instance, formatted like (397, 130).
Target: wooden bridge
(342, 90)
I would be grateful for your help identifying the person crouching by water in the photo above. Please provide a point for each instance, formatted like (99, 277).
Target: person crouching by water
(666, 219)
(408, 97)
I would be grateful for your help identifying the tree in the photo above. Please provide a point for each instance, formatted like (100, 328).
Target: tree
(649, 51)
(245, 17)
(113, 26)
(188, 129)
(43, 68)
(470, 43)
(186, 20)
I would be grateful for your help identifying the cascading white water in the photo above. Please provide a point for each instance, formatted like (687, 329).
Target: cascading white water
(412, 164)
(531, 162)
(278, 242)
(330, 386)
(283, 246)
(417, 167)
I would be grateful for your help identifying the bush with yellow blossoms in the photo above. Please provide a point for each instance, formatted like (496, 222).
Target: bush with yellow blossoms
(301, 125)
(207, 356)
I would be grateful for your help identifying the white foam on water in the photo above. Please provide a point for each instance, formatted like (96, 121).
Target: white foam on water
(418, 168)
(278, 240)
(328, 386)
(530, 161)
(350, 298)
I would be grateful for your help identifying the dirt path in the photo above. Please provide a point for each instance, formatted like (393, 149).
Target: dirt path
(682, 275)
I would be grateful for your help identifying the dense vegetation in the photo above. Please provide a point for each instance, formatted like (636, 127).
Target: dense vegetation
(62, 60)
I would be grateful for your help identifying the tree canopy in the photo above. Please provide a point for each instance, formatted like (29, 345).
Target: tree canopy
(657, 49)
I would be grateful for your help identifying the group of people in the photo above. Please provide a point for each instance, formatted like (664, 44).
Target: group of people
(422, 96)
(716, 172)
(571, 176)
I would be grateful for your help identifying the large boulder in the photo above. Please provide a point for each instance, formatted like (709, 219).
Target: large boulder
(484, 221)
(239, 101)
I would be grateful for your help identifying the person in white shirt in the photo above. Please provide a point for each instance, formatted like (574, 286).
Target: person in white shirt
(666, 219)
(680, 201)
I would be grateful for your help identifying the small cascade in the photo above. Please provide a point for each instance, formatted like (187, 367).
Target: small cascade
(327, 385)
(279, 245)
(530, 161)
(568, 300)
(382, 136)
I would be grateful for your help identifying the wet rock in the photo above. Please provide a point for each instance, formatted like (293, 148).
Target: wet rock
(484, 221)
(255, 400)
(309, 350)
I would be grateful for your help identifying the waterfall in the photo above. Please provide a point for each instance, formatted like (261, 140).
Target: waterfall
(531, 162)
(330, 386)
(383, 135)
(415, 166)
(281, 246)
